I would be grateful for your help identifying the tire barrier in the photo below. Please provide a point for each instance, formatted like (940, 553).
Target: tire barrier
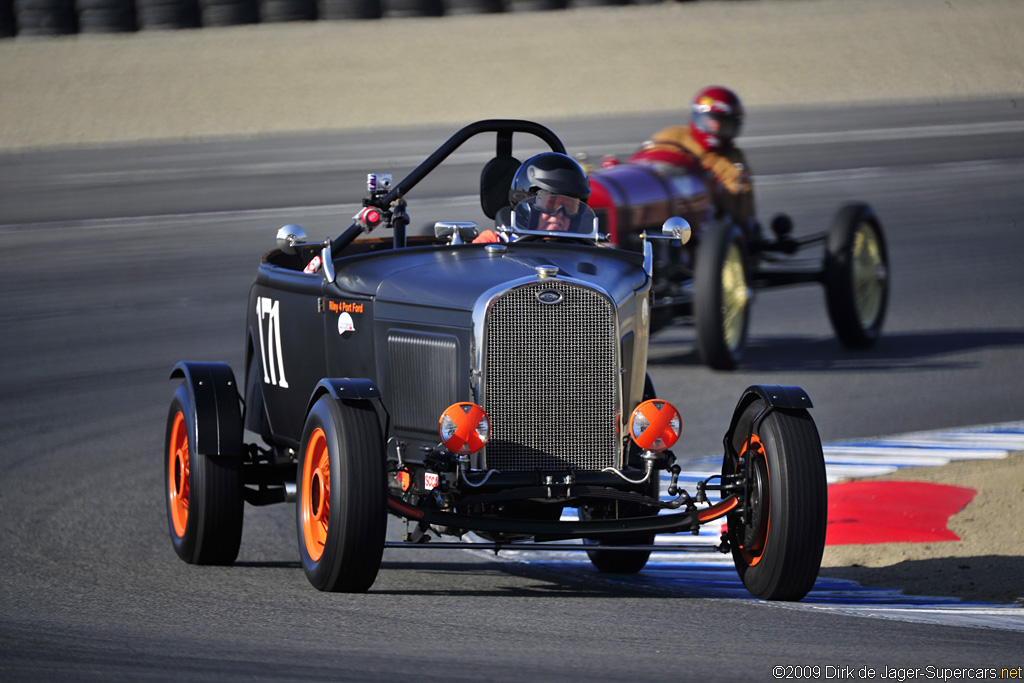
(7, 28)
(45, 17)
(62, 17)
(105, 16)
(166, 15)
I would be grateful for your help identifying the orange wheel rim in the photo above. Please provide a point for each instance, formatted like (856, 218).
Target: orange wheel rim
(754, 551)
(316, 494)
(178, 474)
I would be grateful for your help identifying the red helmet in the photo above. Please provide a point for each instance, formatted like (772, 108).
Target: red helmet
(716, 117)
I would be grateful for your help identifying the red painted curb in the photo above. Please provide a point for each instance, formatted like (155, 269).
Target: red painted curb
(862, 512)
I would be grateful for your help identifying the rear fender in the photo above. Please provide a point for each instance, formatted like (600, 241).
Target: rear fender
(214, 394)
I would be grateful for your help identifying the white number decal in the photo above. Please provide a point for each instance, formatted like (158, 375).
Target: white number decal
(270, 348)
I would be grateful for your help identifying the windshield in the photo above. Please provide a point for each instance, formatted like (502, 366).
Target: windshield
(554, 215)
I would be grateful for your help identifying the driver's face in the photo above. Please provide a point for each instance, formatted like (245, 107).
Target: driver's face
(554, 222)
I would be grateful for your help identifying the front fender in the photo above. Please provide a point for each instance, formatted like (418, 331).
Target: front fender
(345, 388)
(214, 394)
(775, 396)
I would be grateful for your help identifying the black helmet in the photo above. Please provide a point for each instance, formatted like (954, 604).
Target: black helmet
(550, 171)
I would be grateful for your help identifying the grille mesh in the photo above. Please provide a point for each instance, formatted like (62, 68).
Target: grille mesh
(552, 380)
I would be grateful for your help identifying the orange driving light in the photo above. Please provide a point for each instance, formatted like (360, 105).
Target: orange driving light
(464, 428)
(655, 425)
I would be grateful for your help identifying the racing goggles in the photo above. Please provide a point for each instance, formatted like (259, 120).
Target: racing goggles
(725, 126)
(554, 203)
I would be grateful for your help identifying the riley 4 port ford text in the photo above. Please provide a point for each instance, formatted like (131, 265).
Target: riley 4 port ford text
(482, 388)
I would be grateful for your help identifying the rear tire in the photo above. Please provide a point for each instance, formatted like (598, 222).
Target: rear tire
(722, 296)
(778, 543)
(203, 492)
(341, 501)
(856, 276)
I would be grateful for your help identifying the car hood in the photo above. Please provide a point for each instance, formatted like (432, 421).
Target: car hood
(455, 277)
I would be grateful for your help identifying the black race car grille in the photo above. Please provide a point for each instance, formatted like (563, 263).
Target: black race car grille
(552, 379)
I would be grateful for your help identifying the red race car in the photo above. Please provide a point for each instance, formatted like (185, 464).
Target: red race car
(711, 279)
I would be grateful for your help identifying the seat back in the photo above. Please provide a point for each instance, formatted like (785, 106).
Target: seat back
(495, 181)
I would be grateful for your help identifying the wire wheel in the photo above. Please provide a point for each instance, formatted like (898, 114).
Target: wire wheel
(722, 296)
(735, 297)
(869, 274)
(856, 274)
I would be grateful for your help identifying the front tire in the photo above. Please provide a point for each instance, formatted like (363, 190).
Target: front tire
(777, 535)
(203, 492)
(722, 296)
(341, 502)
(856, 276)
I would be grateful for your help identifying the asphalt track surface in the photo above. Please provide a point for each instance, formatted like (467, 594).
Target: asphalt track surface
(118, 262)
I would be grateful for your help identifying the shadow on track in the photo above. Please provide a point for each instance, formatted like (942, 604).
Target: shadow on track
(900, 351)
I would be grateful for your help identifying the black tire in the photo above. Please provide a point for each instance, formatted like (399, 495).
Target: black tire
(777, 545)
(229, 13)
(272, 11)
(622, 561)
(341, 496)
(105, 16)
(535, 5)
(45, 17)
(203, 492)
(350, 9)
(722, 296)
(413, 8)
(456, 7)
(162, 15)
(856, 276)
(7, 25)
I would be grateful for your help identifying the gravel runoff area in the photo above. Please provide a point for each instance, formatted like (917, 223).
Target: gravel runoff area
(270, 78)
(276, 78)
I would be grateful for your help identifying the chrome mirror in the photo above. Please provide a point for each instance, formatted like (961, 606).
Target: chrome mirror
(677, 228)
(456, 232)
(290, 236)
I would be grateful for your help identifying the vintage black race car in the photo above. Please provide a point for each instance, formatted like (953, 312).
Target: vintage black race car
(711, 280)
(474, 388)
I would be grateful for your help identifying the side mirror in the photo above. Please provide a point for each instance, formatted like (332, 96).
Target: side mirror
(290, 236)
(456, 232)
(677, 228)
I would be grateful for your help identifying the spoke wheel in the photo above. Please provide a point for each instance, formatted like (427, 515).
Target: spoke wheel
(777, 535)
(722, 296)
(341, 507)
(856, 276)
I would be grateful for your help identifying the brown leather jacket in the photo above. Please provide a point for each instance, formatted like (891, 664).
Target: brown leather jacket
(734, 189)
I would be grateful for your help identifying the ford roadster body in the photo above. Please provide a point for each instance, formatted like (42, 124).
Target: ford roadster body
(711, 280)
(474, 388)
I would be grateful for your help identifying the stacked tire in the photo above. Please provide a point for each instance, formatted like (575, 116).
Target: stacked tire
(105, 16)
(229, 12)
(7, 25)
(335, 10)
(45, 17)
(287, 10)
(166, 15)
